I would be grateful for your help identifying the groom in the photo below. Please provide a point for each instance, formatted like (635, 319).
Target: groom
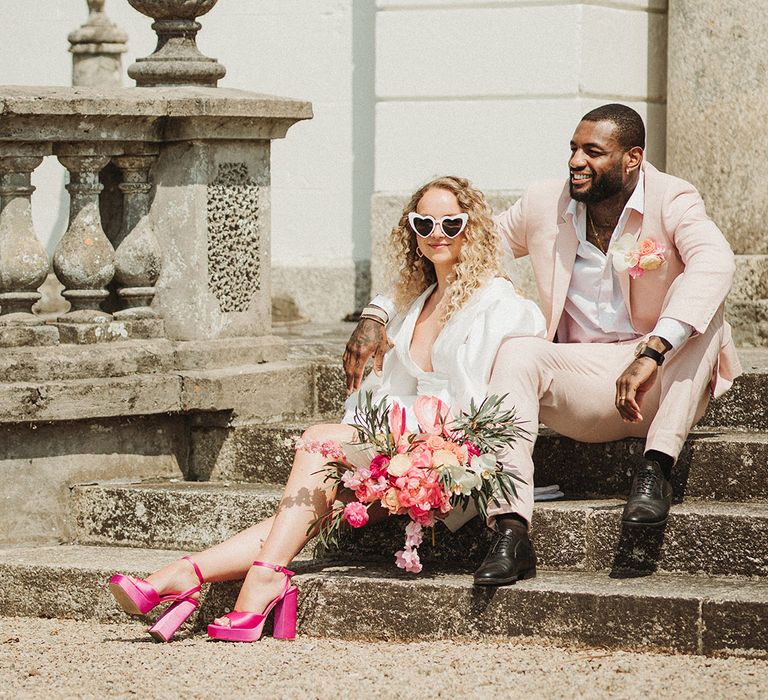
(632, 276)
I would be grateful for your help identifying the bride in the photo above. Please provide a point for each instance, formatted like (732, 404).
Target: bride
(456, 308)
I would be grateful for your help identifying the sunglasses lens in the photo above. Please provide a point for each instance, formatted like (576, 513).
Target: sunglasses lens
(422, 226)
(452, 227)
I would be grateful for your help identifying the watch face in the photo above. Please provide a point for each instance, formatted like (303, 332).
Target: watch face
(640, 347)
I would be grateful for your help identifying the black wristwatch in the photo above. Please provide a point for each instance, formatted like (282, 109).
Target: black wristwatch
(642, 350)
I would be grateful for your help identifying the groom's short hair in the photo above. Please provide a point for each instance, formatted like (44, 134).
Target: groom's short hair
(630, 130)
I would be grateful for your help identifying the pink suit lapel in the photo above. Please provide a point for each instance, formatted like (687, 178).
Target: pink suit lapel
(566, 245)
(633, 228)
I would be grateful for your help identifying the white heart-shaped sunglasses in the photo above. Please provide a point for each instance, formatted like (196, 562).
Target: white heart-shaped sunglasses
(451, 225)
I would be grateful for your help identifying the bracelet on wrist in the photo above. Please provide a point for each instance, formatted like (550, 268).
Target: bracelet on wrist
(373, 318)
(375, 314)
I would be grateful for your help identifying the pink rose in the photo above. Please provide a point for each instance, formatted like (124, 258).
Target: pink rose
(423, 517)
(647, 247)
(356, 514)
(379, 466)
(421, 459)
(435, 442)
(390, 501)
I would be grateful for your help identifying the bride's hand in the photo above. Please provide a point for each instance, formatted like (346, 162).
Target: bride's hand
(368, 339)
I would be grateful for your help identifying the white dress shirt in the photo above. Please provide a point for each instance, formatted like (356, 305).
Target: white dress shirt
(594, 310)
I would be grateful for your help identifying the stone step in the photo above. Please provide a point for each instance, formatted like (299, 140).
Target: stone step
(688, 614)
(130, 357)
(250, 392)
(170, 514)
(749, 322)
(700, 537)
(714, 465)
(743, 406)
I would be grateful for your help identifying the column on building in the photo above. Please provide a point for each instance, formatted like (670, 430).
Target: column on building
(717, 136)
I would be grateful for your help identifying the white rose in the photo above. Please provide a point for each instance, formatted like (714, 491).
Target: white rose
(399, 464)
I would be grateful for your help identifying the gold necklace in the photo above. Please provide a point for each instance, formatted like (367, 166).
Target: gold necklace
(595, 236)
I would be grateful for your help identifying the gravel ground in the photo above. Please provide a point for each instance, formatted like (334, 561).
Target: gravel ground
(65, 659)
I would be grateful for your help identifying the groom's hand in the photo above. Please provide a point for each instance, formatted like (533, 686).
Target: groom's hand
(632, 385)
(368, 339)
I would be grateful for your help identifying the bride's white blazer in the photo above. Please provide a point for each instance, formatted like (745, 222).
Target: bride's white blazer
(462, 355)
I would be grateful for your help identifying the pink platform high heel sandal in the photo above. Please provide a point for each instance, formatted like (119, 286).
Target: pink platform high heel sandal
(247, 626)
(137, 597)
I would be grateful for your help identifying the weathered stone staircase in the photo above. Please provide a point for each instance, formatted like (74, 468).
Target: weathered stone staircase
(699, 586)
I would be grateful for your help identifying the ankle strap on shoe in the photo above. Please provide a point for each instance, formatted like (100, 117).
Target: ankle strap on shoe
(275, 567)
(197, 569)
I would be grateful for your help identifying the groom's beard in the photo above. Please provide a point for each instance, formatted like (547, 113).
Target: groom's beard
(603, 186)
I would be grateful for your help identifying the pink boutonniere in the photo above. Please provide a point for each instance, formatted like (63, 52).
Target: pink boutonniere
(637, 257)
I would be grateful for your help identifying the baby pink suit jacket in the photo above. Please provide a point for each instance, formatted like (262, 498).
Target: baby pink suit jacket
(690, 286)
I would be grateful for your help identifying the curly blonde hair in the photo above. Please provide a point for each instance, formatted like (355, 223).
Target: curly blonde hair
(479, 258)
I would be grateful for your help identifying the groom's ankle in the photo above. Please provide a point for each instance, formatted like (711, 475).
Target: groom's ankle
(512, 521)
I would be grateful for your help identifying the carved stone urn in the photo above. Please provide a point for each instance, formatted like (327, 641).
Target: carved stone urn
(176, 60)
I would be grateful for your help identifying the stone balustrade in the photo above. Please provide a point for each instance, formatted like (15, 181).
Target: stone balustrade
(190, 258)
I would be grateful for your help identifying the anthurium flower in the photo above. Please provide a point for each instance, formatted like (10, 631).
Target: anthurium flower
(431, 413)
(396, 421)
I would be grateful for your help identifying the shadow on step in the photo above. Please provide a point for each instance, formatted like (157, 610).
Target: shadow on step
(638, 551)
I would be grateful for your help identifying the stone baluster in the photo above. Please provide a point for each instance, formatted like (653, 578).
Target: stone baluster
(23, 261)
(138, 258)
(84, 258)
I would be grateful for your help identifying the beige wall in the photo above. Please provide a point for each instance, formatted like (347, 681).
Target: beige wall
(493, 90)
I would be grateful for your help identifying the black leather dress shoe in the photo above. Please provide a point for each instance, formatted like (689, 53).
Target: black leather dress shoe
(510, 558)
(650, 497)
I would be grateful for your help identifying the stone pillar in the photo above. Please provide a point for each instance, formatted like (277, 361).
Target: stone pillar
(23, 260)
(138, 256)
(84, 257)
(96, 50)
(717, 137)
(211, 213)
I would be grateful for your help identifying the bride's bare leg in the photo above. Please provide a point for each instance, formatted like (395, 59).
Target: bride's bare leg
(226, 561)
(306, 497)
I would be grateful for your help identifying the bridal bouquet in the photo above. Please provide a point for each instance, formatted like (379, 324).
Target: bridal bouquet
(422, 474)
